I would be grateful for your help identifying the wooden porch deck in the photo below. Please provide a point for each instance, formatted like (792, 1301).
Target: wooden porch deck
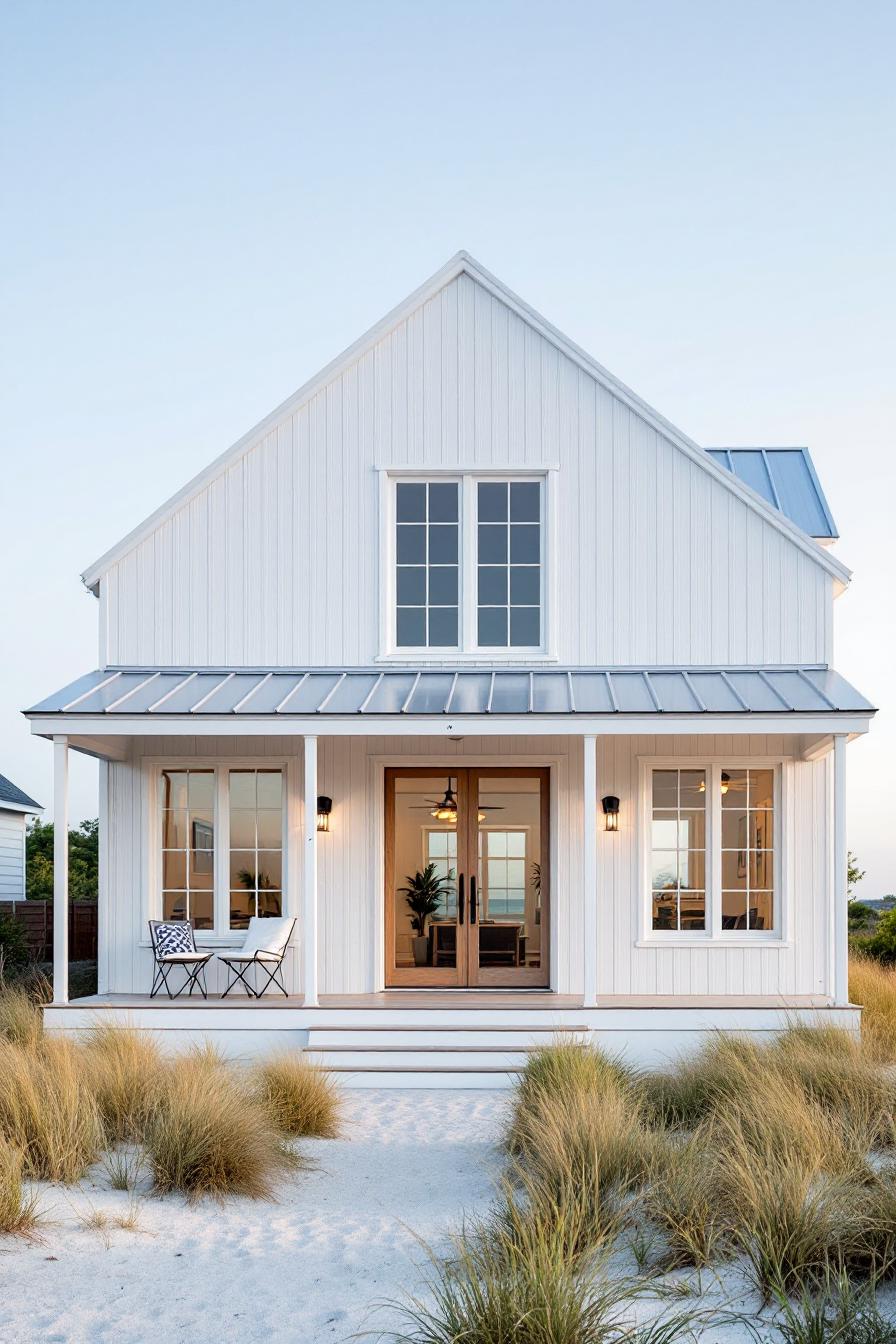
(455, 1000)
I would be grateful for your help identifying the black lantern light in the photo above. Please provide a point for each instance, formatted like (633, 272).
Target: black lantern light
(610, 805)
(324, 808)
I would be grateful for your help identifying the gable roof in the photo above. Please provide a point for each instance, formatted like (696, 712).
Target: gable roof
(786, 478)
(12, 797)
(461, 264)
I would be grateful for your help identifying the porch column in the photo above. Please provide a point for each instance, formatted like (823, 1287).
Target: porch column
(309, 887)
(60, 870)
(589, 869)
(839, 921)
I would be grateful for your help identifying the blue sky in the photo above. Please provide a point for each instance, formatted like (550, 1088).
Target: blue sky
(205, 202)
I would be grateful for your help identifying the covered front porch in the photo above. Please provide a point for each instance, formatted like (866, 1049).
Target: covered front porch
(585, 937)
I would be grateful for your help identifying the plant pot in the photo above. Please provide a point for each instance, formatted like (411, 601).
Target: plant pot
(421, 951)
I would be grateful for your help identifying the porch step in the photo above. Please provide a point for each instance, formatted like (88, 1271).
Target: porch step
(420, 1056)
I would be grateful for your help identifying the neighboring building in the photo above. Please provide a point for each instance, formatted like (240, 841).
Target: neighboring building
(15, 808)
(513, 623)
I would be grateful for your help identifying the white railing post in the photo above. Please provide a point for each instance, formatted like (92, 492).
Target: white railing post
(589, 869)
(309, 892)
(839, 913)
(60, 870)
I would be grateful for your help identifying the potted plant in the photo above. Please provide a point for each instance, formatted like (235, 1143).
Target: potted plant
(423, 896)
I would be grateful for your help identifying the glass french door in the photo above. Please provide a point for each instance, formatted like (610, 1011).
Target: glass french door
(467, 872)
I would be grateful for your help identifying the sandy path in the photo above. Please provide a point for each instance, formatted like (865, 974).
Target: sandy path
(308, 1268)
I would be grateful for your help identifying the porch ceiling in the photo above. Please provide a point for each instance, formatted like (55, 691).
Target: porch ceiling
(431, 699)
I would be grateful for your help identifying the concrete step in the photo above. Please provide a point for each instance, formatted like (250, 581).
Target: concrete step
(495, 1058)
(431, 1079)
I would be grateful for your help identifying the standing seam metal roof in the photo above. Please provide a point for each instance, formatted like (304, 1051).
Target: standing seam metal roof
(786, 479)
(438, 691)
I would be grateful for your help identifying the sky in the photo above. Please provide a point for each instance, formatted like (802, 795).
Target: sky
(203, 203)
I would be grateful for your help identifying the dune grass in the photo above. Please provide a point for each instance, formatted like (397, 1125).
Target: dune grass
(47, 1109)
(18, 1210)
(300, 1099)
(778, 1152)
(512, 1280)
(207, 1135)
(124, 1071)
(21, 1017)
(874, 987)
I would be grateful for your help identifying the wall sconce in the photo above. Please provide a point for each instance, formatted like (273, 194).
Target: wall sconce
(610, 806)
(324, 808)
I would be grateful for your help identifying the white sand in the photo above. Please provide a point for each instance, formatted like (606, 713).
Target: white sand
(311, 1267)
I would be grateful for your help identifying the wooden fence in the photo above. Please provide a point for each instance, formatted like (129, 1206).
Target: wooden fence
(37, 916)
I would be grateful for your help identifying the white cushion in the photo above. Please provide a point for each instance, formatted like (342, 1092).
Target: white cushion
(184, 956)
(267, 935)
(249, 956)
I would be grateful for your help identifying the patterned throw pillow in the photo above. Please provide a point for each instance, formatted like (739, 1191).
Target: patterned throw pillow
(174, 938)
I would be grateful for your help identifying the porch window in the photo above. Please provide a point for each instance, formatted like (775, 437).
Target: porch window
(748, 831)
(256, 844)
(187, 802)
(678, 860)
(505, 874)
(469, 564)
(719, 819)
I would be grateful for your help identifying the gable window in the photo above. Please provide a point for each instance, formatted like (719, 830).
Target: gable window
(426, 553)
(468, 572)
(712, 848)
(221, 838)
(509, 564)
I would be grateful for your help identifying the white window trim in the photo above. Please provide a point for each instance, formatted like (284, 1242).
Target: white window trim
(468, 651)
(714, 935)
(221, 935)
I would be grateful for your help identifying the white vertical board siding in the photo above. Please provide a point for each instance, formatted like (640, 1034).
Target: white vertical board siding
(350, 873)
(799, 967)
(350, 863)
(276, 561)
(12, 857)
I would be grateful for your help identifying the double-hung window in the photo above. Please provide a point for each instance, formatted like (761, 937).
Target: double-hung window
(221, 834)
(469, 564)
(712, 860)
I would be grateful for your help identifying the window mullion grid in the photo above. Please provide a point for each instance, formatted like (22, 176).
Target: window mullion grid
(468, 559)
(714, 850)
(221, 862)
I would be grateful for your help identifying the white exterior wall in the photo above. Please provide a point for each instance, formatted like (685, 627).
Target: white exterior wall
(12, 856)
(351, 874)
(276, 561)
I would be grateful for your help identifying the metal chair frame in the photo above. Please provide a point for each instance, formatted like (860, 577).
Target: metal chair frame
(238, 966)
(195, 970)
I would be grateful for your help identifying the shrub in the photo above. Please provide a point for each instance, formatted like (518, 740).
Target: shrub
(882, 943)
(205, 1134)
(300, 1099)
(124, 1070)
(14, 953)
(18, 1211)
(47, 1109)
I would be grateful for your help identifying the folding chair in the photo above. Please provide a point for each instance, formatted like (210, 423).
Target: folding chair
(173, 944)
(265, 947)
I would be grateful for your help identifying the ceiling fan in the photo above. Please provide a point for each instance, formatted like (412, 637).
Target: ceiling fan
(445, 809)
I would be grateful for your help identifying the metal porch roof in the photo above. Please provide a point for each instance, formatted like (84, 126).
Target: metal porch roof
(786, 479)
(346, 692)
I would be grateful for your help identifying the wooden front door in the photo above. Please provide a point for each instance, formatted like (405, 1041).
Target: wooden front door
(467, 874)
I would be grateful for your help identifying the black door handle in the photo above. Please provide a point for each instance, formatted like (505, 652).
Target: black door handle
(460, 899)
(472, 900)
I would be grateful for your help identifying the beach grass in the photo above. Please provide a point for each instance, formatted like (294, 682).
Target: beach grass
(300, 1099)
